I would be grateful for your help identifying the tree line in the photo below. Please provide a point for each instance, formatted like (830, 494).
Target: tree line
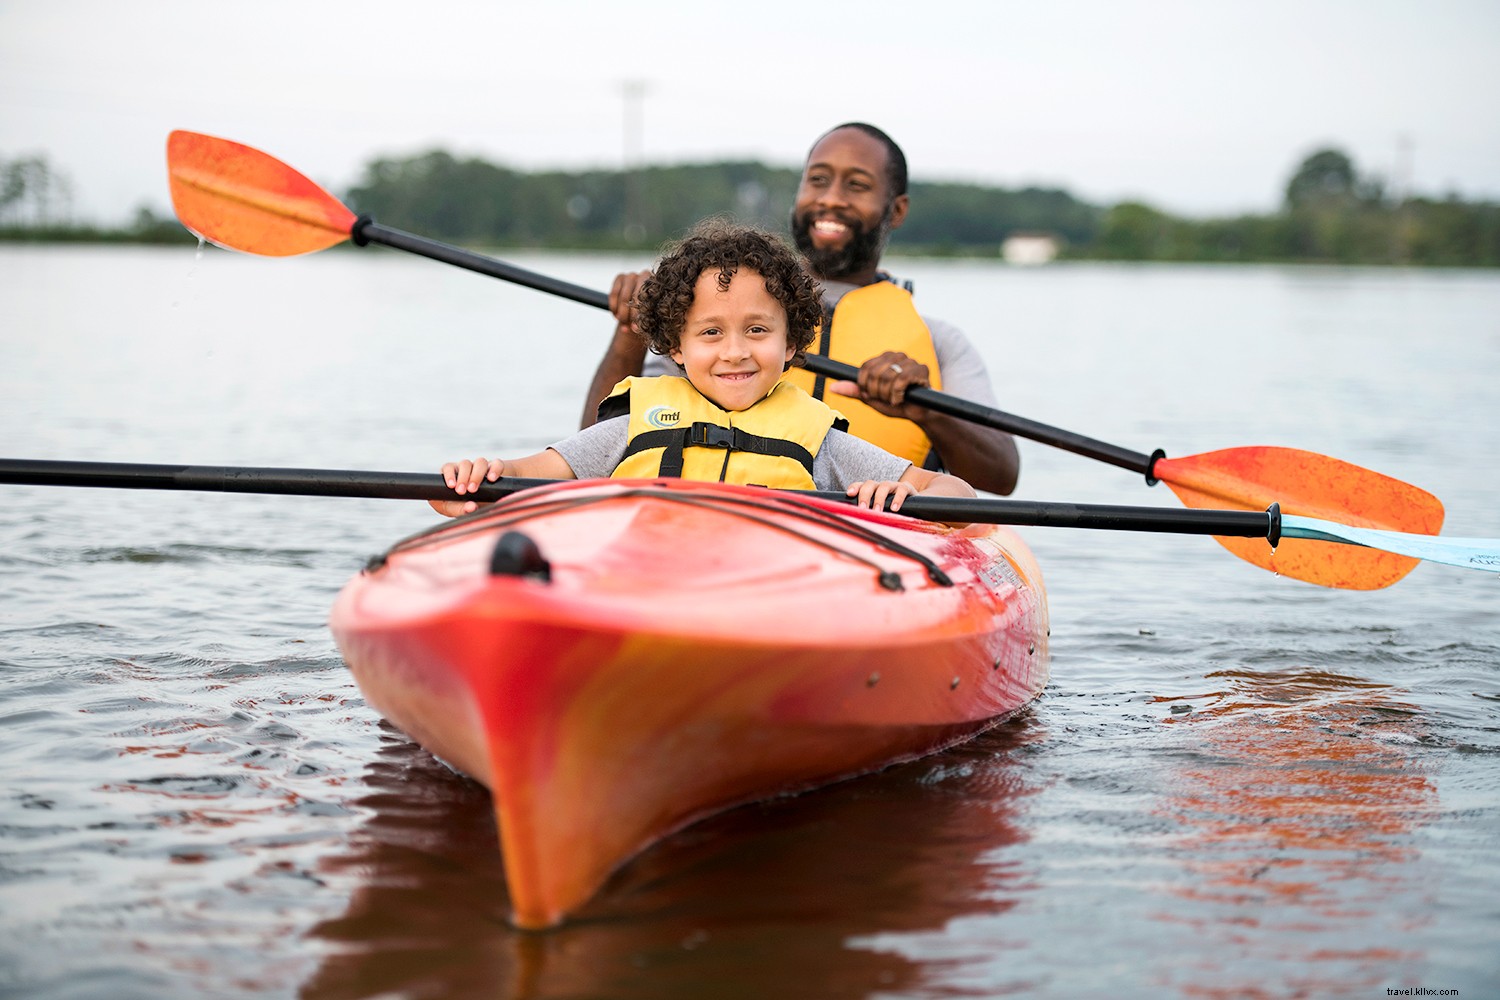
(1331, 213)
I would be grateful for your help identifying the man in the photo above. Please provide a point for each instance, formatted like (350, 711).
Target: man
(851, 196)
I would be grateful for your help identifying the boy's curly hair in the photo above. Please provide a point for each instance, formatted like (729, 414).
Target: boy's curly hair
(662, 303)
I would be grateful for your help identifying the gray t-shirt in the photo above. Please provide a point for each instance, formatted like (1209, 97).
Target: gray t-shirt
(963, 371)
(594, 452)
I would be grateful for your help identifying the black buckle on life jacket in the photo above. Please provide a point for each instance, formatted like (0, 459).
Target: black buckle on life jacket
(707, 435)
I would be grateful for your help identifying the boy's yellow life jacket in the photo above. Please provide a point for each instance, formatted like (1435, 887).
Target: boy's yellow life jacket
(866, 322)
(677, 431)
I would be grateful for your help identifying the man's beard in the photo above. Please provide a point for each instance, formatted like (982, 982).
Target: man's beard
(861, 252)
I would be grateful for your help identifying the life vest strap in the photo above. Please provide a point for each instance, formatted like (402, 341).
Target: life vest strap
(825, 338)
(617, 405)
(702, 434)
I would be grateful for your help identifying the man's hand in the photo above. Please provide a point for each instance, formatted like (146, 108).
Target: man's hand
(883, 382)
(622, 297)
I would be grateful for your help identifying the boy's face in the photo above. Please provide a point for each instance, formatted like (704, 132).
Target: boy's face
(734, 344)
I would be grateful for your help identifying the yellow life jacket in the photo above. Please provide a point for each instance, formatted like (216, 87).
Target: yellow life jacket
(868, 321)
(677, 431)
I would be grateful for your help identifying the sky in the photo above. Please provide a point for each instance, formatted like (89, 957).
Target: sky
(1199, 107)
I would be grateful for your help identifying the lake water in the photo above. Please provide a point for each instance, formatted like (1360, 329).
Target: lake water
(1235, 785)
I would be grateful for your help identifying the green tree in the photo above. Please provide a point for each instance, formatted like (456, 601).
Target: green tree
(1327, 176)
(31, 191)
(1133, 230)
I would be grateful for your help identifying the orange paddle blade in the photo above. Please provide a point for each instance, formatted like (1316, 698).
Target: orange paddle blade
(239, 198)
(1310, 485)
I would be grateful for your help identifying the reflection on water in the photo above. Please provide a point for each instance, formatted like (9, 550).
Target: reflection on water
(1296, 816)
(759, 901)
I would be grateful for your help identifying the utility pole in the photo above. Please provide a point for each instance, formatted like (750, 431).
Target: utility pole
(1400, 235)
(635, 98)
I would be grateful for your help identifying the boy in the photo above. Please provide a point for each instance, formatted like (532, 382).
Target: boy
(733, 306)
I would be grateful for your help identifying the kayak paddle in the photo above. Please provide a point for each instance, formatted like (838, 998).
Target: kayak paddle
(1266, 529)
(240, 198)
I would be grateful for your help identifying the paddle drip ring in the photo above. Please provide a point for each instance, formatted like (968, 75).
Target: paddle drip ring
(357, 232)
(1151, 480)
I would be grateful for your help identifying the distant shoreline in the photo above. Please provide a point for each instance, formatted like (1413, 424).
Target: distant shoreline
(1332, 213)
(175, 235)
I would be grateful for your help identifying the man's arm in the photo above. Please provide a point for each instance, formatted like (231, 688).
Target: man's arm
(626, 355)
(984, 457)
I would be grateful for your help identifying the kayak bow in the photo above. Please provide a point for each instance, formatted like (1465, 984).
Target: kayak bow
(616, 659)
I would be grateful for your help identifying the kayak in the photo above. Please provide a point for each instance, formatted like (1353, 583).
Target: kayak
(615, 659)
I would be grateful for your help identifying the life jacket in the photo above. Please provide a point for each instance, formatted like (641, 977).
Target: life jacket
(677, 431)
(868, 321)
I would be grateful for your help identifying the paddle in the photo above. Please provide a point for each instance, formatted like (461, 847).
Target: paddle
(243, 199)
(1265, 526)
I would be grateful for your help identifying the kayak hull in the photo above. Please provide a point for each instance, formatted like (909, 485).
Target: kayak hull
(691, 647)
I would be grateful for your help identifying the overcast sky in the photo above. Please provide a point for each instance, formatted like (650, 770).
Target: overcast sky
(1202, 107)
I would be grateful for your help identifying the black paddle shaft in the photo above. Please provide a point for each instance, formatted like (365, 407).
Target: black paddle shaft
(367, 230)
(988, 416)
(430, 486)
(244, 479)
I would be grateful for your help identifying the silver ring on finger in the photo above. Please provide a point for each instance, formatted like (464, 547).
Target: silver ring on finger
(896, 369)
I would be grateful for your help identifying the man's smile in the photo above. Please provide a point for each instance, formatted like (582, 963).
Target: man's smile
(830, 228)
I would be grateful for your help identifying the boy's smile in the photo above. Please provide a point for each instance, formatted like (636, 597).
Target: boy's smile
(734, 345)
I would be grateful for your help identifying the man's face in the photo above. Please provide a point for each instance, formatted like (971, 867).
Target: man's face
(844, 211)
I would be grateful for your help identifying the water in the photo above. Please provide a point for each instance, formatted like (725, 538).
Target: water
(1236, 784)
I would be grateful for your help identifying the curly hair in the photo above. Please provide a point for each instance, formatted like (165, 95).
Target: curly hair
(663, 301)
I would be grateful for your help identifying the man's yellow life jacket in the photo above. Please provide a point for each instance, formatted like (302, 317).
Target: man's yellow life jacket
(677, 431)
(866, 322)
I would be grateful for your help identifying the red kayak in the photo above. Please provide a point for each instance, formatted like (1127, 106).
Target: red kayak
(615, 659)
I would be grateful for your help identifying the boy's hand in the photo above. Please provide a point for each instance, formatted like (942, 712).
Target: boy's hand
(466, 477)
(873, 493)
